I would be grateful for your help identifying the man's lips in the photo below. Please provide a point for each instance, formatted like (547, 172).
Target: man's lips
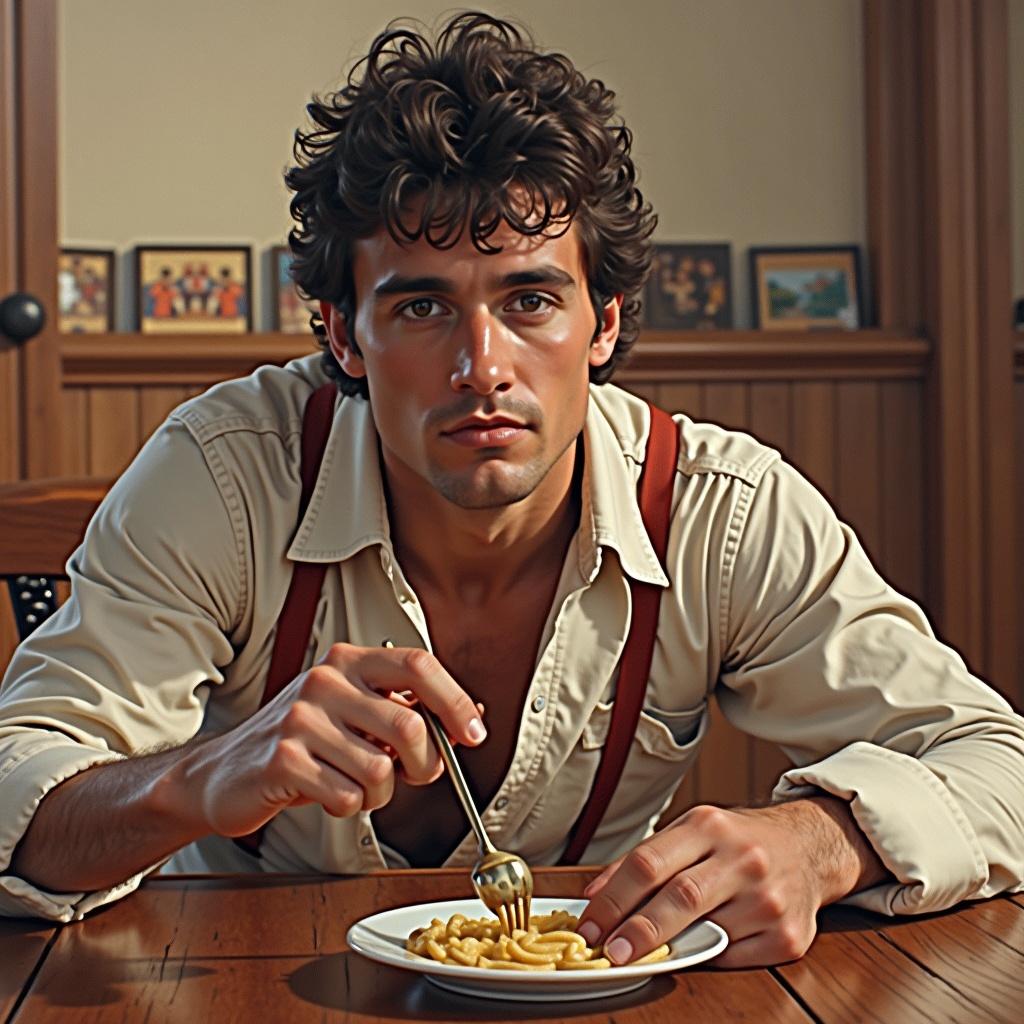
(493, 432)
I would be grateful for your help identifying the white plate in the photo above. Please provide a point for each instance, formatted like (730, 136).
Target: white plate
(382, 937)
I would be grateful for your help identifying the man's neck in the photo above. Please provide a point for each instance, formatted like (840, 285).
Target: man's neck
(474, 556)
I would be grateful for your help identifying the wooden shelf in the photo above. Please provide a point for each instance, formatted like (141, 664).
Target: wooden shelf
(130, 358)
(776, 355)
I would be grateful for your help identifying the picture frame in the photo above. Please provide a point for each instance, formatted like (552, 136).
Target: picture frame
(289, 312)
(85, 291)
(193, 289)
(689, 287)
(806, 287)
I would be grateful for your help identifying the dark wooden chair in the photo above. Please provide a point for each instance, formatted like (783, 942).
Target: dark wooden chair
(41, 523)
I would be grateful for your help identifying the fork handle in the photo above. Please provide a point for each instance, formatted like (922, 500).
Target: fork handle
(458, 779)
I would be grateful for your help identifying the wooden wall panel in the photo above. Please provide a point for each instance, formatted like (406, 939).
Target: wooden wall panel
(154, 405)
(76, 433)
(902, 487)
(108, 425)
(858, 446)
(813, 437)
(113, 429)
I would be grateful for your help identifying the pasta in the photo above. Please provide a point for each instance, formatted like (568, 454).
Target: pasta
(550, 944)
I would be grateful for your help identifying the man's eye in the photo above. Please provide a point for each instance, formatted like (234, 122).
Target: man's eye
(531, 302)
(420, 309)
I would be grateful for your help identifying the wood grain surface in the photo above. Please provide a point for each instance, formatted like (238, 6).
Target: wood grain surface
(22, 945)
(255, 948)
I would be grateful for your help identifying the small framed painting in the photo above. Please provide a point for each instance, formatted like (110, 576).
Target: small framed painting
(689, 286)
(806, 287)
(193, 289)
(290, 312)
(85, 290)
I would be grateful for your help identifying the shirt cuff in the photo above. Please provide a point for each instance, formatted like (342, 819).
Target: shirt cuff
(27, 777)
(910, 819)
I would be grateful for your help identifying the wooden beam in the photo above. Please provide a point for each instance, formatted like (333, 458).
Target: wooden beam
(938, 148)
(37, 177)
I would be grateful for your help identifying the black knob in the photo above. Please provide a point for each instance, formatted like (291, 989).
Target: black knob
(21, 317)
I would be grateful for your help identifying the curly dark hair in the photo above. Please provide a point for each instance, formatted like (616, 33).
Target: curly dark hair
(483, 128)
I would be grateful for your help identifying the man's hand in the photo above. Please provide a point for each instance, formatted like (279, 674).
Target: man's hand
(761, 874)
(331, 737)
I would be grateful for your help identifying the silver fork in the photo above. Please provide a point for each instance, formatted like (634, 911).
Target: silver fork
(502, 880)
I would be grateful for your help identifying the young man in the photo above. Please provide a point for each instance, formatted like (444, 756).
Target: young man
(468, 216)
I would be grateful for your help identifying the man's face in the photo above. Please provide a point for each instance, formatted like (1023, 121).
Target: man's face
(476, 364)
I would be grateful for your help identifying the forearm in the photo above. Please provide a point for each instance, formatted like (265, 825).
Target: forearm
(107, 823)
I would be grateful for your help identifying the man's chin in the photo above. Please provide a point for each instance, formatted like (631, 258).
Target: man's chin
(487, 490)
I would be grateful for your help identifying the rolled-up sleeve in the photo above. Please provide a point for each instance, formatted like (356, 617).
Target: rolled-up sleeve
(827, 660)
(124, 666)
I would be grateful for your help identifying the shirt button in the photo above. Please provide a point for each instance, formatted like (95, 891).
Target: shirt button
(539, 703)
(366, 840)
(404, 598)
(501, 803)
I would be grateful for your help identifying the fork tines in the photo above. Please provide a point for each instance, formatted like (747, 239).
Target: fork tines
(514, 915)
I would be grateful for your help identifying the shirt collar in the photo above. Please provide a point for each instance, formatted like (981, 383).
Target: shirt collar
(347, 511)
(615, 439)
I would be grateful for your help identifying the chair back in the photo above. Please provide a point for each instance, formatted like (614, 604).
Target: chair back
(41, 523)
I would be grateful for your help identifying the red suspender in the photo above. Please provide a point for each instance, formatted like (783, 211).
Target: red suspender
(296, 621)
(657, 479)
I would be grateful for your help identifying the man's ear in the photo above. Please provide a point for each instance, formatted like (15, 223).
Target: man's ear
(337, 336)
(603, 345)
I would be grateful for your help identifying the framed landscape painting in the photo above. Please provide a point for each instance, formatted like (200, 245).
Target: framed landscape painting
(193, 289)
(806, 287)
(690, 286)
(85, 290)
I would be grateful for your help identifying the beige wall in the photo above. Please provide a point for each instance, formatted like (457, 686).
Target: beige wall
(1017, 141)
(177, 118)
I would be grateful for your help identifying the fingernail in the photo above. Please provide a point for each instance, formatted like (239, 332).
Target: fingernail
(476, 731)
(620, 950)
(590, 932)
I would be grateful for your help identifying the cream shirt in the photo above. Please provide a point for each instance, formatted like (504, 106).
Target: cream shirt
(773, 610)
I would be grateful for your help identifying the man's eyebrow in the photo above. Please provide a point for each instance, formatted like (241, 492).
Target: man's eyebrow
(400, 284)
(547, 274)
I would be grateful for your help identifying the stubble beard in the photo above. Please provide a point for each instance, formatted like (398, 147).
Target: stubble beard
(497, 489)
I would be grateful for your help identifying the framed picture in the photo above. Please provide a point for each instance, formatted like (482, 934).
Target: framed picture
(806, 287)
(193, 289)
(85, 290)
(689, 287)
(290, 312)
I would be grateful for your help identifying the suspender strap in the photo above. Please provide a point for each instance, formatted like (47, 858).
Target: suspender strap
(296, 621)
(657, 479)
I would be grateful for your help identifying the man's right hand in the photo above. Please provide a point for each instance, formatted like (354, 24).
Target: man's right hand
(331, 737)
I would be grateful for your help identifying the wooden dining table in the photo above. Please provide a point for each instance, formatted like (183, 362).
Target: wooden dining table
(258, 948)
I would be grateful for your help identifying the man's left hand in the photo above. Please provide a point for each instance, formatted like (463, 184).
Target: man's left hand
(759, 873)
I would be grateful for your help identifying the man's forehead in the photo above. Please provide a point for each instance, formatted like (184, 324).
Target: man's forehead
(381, 254)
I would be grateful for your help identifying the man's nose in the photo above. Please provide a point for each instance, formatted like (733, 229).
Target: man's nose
(483, 357)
